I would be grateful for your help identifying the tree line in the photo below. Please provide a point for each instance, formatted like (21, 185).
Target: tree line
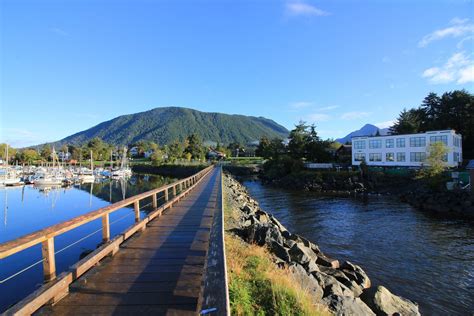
(452, 110)
(191, 148)
(304, 144)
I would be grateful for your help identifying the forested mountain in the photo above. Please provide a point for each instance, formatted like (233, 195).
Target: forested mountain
(167, 124)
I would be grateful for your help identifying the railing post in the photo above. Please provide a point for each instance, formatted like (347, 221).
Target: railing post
(49, 263)
(105, 228)
(136, 206)
(166, 195)
(154, 202)
(174, 191)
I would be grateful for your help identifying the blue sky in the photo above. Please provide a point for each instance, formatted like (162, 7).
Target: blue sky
(68, 65)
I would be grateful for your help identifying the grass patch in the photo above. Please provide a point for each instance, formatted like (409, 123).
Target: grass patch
(258, 287)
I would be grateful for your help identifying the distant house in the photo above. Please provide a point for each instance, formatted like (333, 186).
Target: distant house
(134, 152)
(214, 154)
(64, 156)
(343, 153)
(148, 153)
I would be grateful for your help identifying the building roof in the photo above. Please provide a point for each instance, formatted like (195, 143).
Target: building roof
(444, 131)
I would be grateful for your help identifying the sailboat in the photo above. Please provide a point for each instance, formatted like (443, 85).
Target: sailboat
(52, 177)
(124, 171)
(87, 176)
(8, 176)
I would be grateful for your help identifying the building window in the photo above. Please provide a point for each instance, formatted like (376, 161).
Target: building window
(400, 142)
(401, 157)
(359, 157)
(456, 157)
(389, 157)
(359, 144)
(441, 139)
(417, 141)
(375, 157)
(389, 143)
(418, 157)
(456, 141)
(375, 143)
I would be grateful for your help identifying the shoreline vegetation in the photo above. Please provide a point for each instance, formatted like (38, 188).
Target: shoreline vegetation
(273, 270)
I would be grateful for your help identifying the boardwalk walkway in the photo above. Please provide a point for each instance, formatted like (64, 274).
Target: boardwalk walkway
(159, 271)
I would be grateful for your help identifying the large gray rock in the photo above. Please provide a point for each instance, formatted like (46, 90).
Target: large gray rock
(311, 267)
(279, 251)
(348, 306)
(341, 277)
(307, 281)
(326, 261)
(382, 302)
(301, 254)
(331, 286)
(355, 273)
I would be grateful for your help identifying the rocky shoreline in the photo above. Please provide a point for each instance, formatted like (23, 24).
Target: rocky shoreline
(343, 287)
(458, 204)
(446, 204)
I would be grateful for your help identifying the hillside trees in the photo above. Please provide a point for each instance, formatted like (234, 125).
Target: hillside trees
(453, 110)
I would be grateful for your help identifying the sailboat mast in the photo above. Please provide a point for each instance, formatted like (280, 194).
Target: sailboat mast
(92, 164)
(52, 154)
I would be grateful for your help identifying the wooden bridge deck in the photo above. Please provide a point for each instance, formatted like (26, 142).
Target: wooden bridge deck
(158, 271)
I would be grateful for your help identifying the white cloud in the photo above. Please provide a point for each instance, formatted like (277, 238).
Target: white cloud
(458, 28)
(354, 115)
(18, 137)
(459, 68)
(328, 108)
(297, 8)
(59, 31)
(318, 117)
(300, 104)
(458, 21)
(466, 39)
(466, 75)
(385, 124)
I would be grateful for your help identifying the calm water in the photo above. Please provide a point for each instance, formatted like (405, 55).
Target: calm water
(428, 260)
(27, 209)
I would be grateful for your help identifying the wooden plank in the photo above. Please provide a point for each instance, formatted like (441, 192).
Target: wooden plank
(49, 262)
(43, 295)
(93, 258)
(127, 310)
(163, 266)
(105, 228)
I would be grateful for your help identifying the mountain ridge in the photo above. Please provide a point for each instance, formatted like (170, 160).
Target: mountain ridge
(366, 130)
(167, 124)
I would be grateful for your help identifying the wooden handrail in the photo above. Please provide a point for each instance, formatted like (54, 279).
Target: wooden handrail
(47, 234)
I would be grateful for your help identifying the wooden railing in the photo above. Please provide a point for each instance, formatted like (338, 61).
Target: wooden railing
(46, 238)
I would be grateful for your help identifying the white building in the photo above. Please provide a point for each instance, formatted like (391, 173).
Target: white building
(408, 150)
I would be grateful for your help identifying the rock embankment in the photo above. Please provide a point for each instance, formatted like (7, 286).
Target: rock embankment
(448, 203)
(343, 287)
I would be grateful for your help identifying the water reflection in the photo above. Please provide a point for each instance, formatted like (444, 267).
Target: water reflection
(426, 259)
(27, 209)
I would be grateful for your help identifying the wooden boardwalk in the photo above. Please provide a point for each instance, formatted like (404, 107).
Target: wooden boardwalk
(158, 271)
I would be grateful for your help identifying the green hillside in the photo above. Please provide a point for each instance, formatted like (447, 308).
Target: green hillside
(164, 125)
